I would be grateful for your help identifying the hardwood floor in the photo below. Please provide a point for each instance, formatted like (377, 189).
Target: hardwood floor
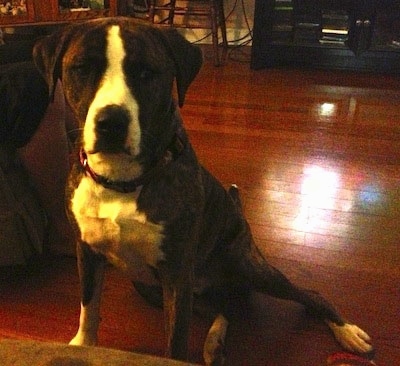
(316, 155)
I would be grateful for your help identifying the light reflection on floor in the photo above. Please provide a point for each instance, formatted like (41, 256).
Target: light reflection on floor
(319, 189)
(326, 109)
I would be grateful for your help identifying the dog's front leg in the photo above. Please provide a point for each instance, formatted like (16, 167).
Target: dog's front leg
(91, 268)
(178, 304)
(214, 346)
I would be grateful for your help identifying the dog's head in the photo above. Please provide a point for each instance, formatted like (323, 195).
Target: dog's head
(118, 76)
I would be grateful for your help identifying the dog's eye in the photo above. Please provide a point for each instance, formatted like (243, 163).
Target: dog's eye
(81, 68)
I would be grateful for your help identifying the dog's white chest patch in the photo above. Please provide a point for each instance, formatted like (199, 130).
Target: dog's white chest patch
(112, 225)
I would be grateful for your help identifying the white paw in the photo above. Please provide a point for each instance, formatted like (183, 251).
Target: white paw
(351, 337)
(214, 346)
(83, 339)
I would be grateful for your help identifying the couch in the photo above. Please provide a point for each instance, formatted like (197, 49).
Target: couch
(33, 139)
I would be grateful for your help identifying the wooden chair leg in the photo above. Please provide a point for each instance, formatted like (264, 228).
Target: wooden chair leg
(171, 13)
(222, 25)
(152, 10)
(170, 7)
(214, 31)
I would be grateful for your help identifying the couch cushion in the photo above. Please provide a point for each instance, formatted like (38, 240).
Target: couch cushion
(21, 353)
(16, 51)
(23, 102)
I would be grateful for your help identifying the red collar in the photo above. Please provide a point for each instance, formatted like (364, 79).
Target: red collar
(173, 151)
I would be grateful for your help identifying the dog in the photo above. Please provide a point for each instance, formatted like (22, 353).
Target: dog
(139, 198)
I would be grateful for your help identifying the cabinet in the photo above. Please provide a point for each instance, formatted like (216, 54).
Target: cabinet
(345, 34)
(20, 12)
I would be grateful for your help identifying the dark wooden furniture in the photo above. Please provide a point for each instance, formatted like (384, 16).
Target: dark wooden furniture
(345, 34)
(31, 12)
(202, 14)
(168, 11)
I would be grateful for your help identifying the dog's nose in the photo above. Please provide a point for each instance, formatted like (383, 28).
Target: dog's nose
(112, 122)
(111, 129)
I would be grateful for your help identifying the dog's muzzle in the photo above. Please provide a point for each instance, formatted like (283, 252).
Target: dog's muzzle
(174, 150)
(111, 129)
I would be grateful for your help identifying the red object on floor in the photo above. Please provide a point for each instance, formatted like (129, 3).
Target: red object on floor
(344, 358)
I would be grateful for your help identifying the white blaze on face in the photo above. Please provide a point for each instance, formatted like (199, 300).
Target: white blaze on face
(113, 90)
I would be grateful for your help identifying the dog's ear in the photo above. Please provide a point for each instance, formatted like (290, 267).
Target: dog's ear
(47, 56)
(188, 60)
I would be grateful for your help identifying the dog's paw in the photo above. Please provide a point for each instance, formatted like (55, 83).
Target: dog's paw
(214, 346)
(351, 337)
(215, 354)
(83, 339)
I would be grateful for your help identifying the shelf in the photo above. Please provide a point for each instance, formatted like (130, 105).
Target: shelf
(327, 34)
(21, 12)
(37, 12)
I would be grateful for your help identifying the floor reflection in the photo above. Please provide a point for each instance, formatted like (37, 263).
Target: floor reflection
(326, 109)
(319, 190)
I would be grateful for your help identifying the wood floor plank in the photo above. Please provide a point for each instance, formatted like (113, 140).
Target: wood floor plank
(316, 155)
(282, 129)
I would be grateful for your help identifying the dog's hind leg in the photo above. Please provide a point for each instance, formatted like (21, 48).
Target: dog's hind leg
(91, 268)
(265, 278)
